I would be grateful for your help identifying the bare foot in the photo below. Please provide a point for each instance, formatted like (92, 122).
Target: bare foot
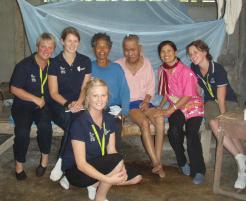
(159, 171)
(18, 167)
(44, 160)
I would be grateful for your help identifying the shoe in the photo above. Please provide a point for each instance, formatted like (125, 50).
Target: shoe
(20, 176)
(40, 170)
(91, 192)
(240, 183)
(64, 183)
(241, 159)
(185, 169)
(56, 173)
(198, 179)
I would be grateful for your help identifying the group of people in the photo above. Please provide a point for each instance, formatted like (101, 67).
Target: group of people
(77, 94)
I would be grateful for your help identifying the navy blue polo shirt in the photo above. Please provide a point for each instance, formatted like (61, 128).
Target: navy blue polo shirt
(26, 76)
(70, 78)
(81, 130)
(217, 77)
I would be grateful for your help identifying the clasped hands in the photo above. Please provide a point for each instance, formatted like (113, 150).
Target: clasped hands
(118, 177)
(163, 112)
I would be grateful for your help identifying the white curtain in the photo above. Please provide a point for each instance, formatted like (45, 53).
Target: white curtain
(232, 12)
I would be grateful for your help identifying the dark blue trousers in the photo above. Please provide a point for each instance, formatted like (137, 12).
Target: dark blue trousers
(176, 136)
(23, 118)
(63, 120)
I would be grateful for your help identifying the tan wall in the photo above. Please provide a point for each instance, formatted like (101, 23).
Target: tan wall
(13, 46)
(7, 35)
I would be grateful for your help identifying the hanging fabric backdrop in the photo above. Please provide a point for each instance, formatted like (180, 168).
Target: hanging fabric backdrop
(152, 21)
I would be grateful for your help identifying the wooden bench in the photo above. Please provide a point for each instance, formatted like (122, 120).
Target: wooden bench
(4, 91)
(8, 129)
(129, 129)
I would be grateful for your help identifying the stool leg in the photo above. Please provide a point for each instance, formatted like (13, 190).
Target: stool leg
(218, 163)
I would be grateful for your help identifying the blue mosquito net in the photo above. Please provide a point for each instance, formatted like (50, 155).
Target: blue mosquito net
(153, 21)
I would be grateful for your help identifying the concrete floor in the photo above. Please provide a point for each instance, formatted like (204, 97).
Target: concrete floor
(174, 187)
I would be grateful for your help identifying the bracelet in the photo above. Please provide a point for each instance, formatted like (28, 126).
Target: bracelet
(175, 107)
(66, 104)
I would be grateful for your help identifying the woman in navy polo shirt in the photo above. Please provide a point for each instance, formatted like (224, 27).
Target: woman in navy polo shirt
(68, 75)
(90, 157)
(29, 86)
(218, 97)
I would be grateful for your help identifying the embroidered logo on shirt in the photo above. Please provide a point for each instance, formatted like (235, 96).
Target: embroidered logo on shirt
(92, 137)
(33, 78)
(80, 69)
(107, 132)
(62, 70)
(212, 81)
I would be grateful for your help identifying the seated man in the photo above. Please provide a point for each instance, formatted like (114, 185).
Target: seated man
(141, 81)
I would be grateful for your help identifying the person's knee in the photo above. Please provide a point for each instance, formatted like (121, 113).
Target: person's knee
(193, 142)
(62, 119)
(115, 159)
(213, 123)
(22, 133)
(173, 131)
(45, 128)
(118, 167)
(145, 124)
(159, 121)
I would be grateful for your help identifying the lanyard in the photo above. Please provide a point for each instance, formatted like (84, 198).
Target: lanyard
(208, 87)
(43, 80)
(101, 143)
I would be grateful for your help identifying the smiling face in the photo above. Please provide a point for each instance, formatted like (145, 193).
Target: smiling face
(70, 43)
(196, 55)
(97, 98)
(45, 49)
(132, 51)
(168, 55)
(101, 49)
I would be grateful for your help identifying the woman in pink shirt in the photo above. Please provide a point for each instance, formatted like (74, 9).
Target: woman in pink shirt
(140, 78)
(178, 86)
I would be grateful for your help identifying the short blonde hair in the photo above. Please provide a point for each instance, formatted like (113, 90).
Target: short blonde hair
(94, 82)
(46, 36)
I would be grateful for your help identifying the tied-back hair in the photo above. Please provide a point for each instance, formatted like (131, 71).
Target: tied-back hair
(94, 82)
(45, 36)
(70, 30)
(101, 36)
(202, 46)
